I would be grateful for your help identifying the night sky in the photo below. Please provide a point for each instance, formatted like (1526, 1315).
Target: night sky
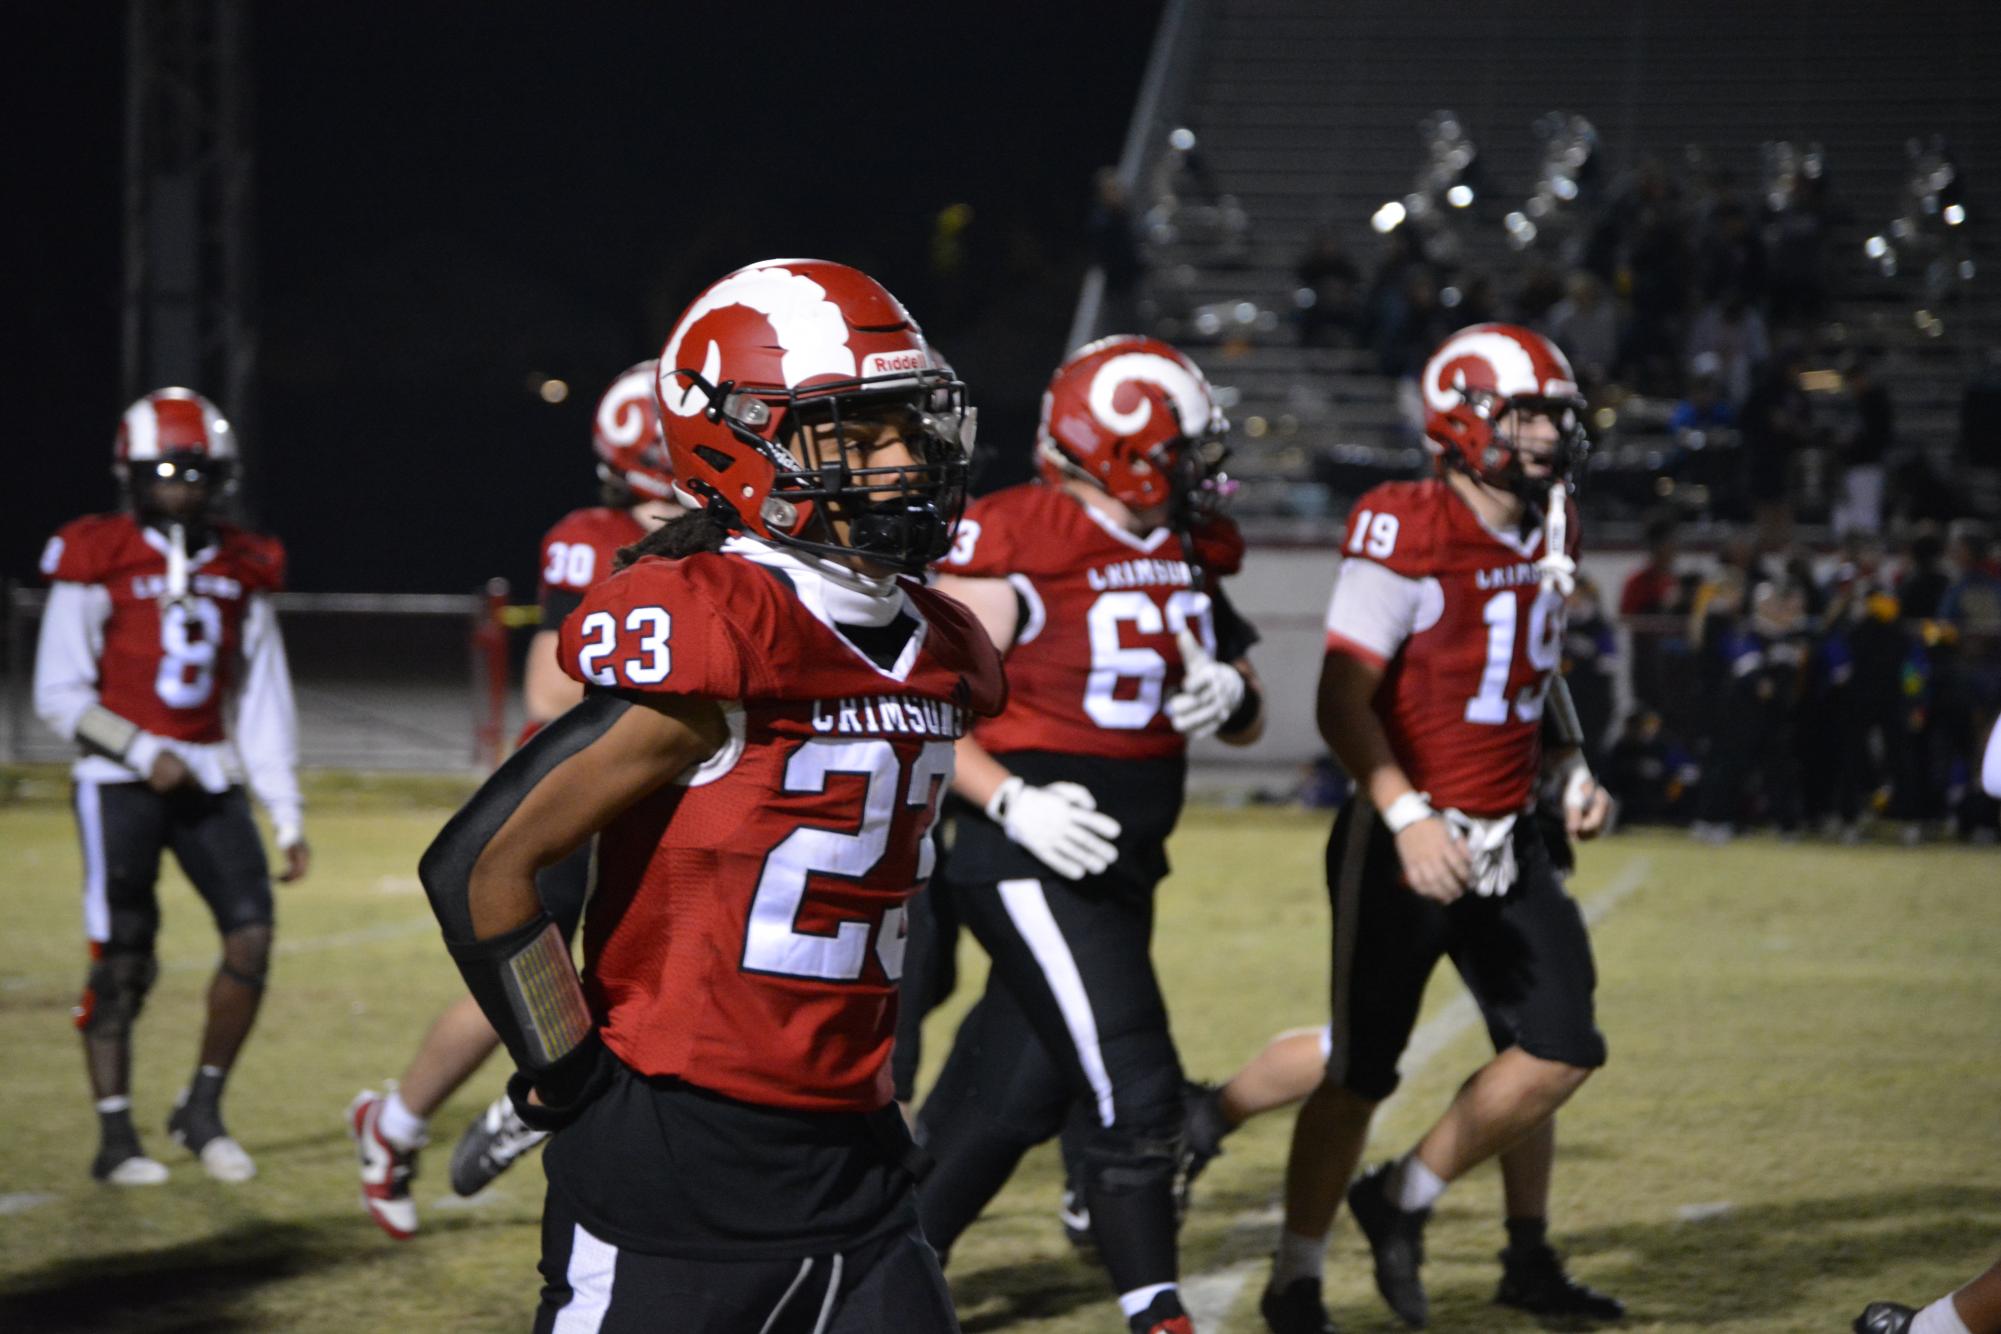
(453, 200)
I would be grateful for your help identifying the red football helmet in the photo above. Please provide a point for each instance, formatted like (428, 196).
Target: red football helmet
(1475, 377)
(175, 434)
(626, 435)
(787, 344)
(1136, 418)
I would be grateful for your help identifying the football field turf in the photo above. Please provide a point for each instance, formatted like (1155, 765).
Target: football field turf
(1802, 1112)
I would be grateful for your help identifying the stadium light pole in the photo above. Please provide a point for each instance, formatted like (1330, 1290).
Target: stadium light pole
(189, 304)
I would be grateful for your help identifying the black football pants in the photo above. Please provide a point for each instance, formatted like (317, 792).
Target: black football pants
(591, 1286)
(124, 827)
(1072, 1018)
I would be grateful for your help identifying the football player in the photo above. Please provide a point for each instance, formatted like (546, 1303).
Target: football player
(390, 1127)
(764, 738)
(160, 657)
(1100, 583)
(1443, 634)
(1972, 1309)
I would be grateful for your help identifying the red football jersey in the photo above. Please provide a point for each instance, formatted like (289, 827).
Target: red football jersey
(1468, 637)
(167, 666)
(747, 926)
(579, 551)
(1095, 656)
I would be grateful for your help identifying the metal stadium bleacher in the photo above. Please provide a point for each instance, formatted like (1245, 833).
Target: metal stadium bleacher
(1306, 113)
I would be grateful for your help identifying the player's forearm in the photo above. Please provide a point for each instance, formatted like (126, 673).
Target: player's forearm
(1349, 725)
(976, 775)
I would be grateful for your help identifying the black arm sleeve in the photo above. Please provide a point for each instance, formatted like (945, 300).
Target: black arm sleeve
(446, 867)
(557, 604)
(1234, 634)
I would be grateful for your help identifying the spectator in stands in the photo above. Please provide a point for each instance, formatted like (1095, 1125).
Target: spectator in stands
(1114, 245)
(1796, 240)
(1387, 313)
(1585, 324)
(1703, 408)
(1656, 268)
(1925, 579)
(1756, 736)
(1649, 771)
(1590, 660)
(1863, 450)
(1329, 276)
(1654, 588)
(1732, 261)
(1973, 600)
(1731, 330)
(1777, 424)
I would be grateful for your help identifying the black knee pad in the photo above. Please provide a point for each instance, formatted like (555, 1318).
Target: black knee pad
(246, 955)
(115, 992)
(1119, 1161)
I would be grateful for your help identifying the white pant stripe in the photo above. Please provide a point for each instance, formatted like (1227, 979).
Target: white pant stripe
(96, 897)
(592, 1262)
(1029, 908)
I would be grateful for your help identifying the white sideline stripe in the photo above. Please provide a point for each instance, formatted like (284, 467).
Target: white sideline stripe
(1028, 906)
(592, 1262)
(338, 940)
(1210, 1296)
(21, 1202)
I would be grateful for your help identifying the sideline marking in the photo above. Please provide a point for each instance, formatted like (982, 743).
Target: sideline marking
(1210, 1296)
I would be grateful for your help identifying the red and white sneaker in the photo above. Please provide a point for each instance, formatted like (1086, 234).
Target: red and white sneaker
(385, 1169)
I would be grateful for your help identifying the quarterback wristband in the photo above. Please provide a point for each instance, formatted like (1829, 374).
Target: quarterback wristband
(1407, 810)
(528, 989)
(103, 731)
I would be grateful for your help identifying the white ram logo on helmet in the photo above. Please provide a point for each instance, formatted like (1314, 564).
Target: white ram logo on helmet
(810, 328)
(1514, 369)
(1190, 398)
(627, 408)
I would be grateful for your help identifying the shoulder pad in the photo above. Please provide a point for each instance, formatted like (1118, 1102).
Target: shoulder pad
(82, 549)
(988, 544)
(1394, 525)
(669, 626)
(259, 558)
(961, 644)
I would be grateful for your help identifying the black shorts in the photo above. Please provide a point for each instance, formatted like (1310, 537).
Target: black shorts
(662, 1167)
(1524, 956)
(891, 1282)
(125, 826)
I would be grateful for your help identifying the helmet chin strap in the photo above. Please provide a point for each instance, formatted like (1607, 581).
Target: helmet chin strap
(1559, 571)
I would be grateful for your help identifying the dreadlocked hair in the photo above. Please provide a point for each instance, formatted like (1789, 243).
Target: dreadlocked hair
(696, 531)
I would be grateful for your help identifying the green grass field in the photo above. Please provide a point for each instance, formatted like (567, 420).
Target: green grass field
(1803, 1109)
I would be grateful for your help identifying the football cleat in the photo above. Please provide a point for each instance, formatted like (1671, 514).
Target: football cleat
(124, 1166)
(1534, 1281)
(198, 1129)
(1884, 1318)
(386, 1170)
(1396, 1238)
(1295, 1309)
(490, 1145)
(1165, 1316)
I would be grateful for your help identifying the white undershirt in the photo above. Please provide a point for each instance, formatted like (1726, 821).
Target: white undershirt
(1377, 609)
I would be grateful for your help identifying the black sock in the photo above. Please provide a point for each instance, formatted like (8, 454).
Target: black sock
(205, 1089)
(114, 1128)
(1528, 1234)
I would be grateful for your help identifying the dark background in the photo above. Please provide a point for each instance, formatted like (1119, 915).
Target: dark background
(453, 201)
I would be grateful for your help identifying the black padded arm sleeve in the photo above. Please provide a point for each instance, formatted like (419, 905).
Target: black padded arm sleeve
(446, 867)
(1234, 634)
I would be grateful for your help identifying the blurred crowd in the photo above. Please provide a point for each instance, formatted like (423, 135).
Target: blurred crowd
(1770, 688)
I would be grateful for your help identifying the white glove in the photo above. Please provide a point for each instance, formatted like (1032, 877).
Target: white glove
(1060, 823)
(1210, 690)
(1491, 845)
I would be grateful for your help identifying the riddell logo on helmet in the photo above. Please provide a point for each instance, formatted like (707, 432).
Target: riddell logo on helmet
(894, 363)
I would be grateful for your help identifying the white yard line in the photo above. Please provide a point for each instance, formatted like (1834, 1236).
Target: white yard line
(338, 940)
(1211, 1296)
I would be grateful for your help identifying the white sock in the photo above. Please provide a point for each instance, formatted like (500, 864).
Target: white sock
(399, 1125)
(1132, 1303)
(1941, 1317)
(1415, 1186)
(1298, 1257)
(117, 1102)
